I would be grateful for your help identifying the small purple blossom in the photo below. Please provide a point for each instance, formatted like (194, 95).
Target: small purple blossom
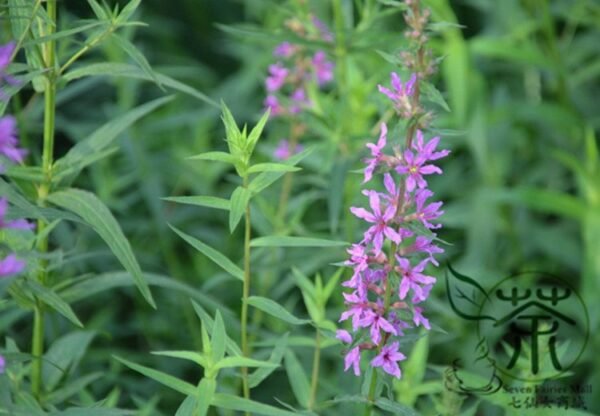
(284, 150)
(380, 220)
(401, 94)
(299, 101)
(277, 75)
(11, 266)
(376, 153)
(272, 103)
(428, 150)
(426, 213)
(376, 323)
(285, 50)
(419, 319)
(9, 143)
(355, 310)
(412, 278)
(425, 245)
(324, 31)
(414, 167)
(323, 68)
(388, 359)
(17, 224)
(2, 364)
(343, 336)
(352, 359)
(6, 52)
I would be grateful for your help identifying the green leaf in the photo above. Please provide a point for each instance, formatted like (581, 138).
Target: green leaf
(163, 378)
(74, 387)
(275, 309)
(235, 138)
(128, 11)
(97, 215)
(231, 362)
(240, 198)
(231, 402)
(130, 49)
(206, 393)
(266, 179)
(297, 378)
(394, 407)
(207, 322)
(272, 167)
(216, 156)
(256, 132)
(289, 241)
(201, 201)
(212, 254)
(260, 374)
(195, 357)
(63, 354)
(188, 407)
(132, 71)
(218, 337)
(52, 299)
(83, 153)
(434, 95)
(99, 11)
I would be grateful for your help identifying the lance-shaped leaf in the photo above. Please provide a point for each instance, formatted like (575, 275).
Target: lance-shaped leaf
(52, 299)
(212, 254)
(275, 309)
(97, 215)
(465, 295)
(260, 374)
(256, 132)
(240, 198)
(163, 378)
(297, 378)
(201, 201)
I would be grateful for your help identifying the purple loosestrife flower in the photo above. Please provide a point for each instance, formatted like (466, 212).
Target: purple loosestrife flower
(322, 28)
(419, 319)
(376, 323)
(285, 50)
(414, 166)
(376, 153)
(323, 68)
(6, 52)
(381, 219)
(412, 278)
(355, 311)
(9, 144)
(284, 150)
(426, 213)
(352, 359)
(343, 336)
(401, 94)
(17, 224)
(388, 359)
(299, 101)
(277, 75)
(2, 364)
(428, 150)
(272, 103)
(11, 266)
(425, 245)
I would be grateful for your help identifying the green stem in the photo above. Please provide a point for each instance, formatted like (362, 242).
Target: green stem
(37, 349)
(246, 294)
(315, 371)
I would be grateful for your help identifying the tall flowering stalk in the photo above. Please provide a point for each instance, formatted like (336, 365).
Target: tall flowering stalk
(390, 283)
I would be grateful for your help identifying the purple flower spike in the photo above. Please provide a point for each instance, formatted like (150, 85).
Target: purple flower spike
(323, 68)
(277, 76)
(9, 144)
(11, 265)
(376, 152)
(388, 359)
(352, 359)
(2, 364)
(380, 220)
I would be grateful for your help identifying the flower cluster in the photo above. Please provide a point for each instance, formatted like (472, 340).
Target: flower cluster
(288, 79)
(389, 281)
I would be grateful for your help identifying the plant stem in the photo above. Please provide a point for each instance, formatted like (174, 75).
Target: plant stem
(246, 294)
(37, 349)
(315, 371)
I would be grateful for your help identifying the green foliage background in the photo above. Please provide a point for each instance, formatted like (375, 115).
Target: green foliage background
(521, 187)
